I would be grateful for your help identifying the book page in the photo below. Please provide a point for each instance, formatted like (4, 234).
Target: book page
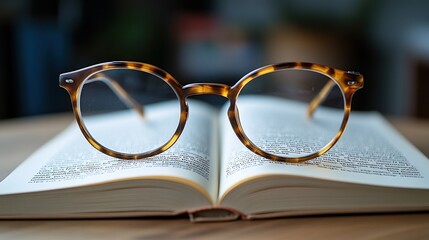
(69, 160)
(369, 152)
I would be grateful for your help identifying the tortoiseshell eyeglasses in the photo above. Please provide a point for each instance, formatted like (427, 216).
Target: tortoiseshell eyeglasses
(291, 112)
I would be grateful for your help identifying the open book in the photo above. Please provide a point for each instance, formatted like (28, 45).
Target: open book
(210, 175)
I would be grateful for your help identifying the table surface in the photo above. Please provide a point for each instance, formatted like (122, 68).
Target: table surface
(20, 137)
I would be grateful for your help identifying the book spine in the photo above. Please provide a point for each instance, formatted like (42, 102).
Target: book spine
(214, 214)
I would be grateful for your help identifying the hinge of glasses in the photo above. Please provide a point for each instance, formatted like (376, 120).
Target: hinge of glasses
(352, 82)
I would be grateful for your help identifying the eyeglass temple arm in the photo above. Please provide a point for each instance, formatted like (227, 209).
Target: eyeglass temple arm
(319, 98)
(119, 91)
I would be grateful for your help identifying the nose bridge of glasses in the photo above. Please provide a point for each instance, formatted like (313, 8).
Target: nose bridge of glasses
(206, 88)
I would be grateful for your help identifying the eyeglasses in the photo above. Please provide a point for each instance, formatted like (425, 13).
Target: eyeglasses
(289, 112)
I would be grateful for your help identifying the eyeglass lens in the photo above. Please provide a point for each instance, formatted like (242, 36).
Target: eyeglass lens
(121, 101)
(273, 112)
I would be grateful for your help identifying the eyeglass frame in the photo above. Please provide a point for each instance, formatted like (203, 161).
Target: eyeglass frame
(348, 81)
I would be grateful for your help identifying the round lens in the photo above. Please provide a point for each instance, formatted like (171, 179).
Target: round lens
(129, 111)
(291, 113)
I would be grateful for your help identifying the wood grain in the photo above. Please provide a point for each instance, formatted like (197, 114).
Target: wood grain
(394, 226)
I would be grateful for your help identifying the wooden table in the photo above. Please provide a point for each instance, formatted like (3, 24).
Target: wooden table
(19, 138)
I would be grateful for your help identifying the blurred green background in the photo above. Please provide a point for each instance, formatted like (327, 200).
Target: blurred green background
(215, 41)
